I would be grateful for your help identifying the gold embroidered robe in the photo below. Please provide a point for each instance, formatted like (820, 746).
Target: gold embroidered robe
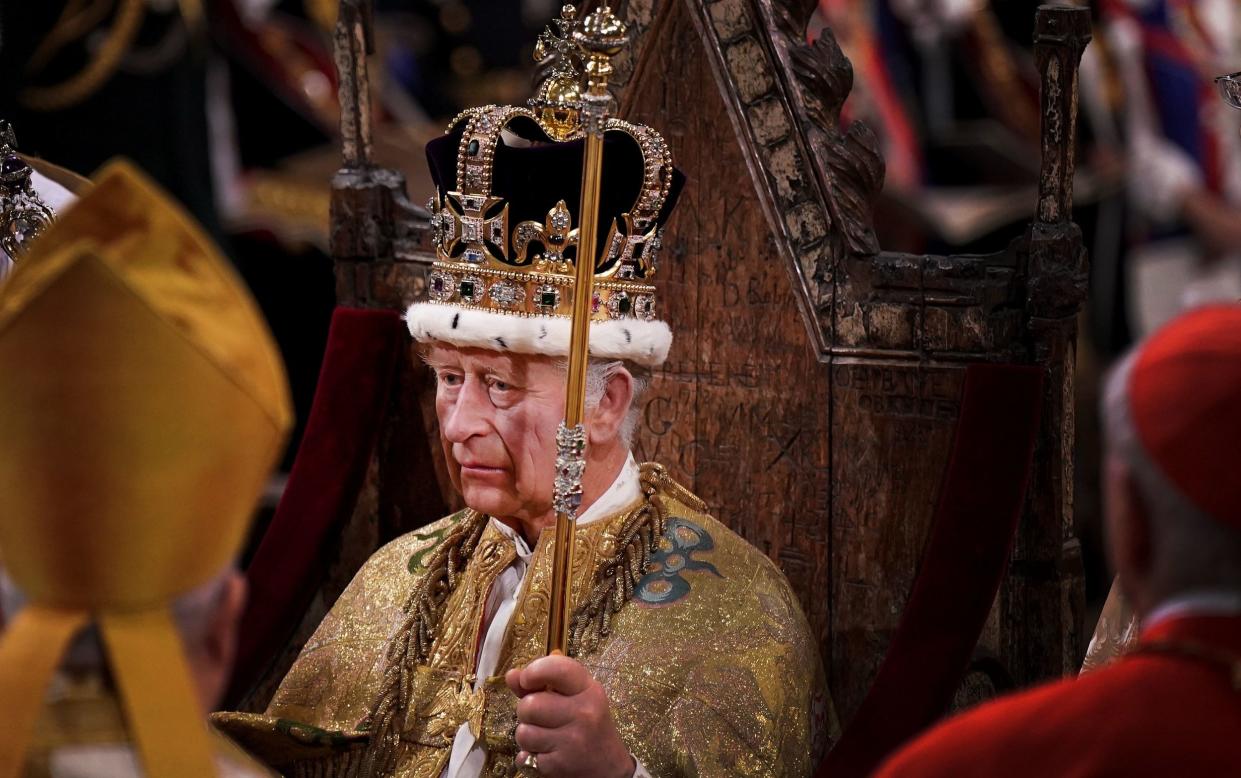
(710, 666)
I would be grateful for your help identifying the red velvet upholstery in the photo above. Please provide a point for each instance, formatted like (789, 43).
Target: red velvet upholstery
(350, 405)
(980, 503)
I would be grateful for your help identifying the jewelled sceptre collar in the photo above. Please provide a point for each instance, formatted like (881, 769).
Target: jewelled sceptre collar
(23, 214)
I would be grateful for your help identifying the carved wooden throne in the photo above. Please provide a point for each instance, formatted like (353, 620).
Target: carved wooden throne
(818, 390)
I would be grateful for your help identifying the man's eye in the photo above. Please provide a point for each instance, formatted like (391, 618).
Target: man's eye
(450, 379)
(500, 385)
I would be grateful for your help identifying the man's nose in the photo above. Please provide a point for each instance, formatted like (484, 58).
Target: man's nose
(470, 413)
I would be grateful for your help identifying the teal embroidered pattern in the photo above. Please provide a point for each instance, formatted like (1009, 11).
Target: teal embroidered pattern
(416, 561)
(664, 583)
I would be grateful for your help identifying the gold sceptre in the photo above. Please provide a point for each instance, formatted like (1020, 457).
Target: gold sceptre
(600, 36)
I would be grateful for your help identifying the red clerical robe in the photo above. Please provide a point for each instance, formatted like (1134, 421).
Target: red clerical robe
(1172, 707)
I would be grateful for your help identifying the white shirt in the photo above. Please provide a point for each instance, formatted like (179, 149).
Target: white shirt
(468, 756)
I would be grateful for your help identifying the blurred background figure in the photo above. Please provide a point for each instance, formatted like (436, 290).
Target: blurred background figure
(1147, 88)
(951, 88)
(1173, 417)
(1153, 70)
(142, 409)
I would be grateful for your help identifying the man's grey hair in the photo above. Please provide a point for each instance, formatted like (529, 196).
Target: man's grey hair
(192, 613)
(598, 373)
(1193, 551)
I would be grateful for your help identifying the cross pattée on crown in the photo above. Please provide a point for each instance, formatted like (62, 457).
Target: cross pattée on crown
(474, 230)
(632, 245)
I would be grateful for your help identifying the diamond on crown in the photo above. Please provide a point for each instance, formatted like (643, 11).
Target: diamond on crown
(644, 307)
(506, 294)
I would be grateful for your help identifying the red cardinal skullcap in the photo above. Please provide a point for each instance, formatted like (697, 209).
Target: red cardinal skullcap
(1185, 405)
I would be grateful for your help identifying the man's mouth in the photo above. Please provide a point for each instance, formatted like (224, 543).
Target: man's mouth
(479, 468)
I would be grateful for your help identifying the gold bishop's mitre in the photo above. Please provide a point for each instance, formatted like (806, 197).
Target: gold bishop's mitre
(142, 406)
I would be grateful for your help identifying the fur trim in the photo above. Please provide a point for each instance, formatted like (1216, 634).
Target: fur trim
(643, 342)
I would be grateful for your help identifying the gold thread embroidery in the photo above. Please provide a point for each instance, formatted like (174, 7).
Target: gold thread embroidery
(418, 640)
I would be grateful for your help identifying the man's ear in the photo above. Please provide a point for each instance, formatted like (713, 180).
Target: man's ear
(220, 643)
(608, 417)
(1129, 541)
(211, 656)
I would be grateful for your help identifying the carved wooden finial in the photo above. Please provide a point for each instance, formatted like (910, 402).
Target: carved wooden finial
(353, 42)
(1061, 34)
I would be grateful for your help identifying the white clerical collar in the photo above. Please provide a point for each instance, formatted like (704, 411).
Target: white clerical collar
(623, 492)
(1206, 602)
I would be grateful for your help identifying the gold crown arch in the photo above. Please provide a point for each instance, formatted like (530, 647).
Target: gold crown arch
(530, 269)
